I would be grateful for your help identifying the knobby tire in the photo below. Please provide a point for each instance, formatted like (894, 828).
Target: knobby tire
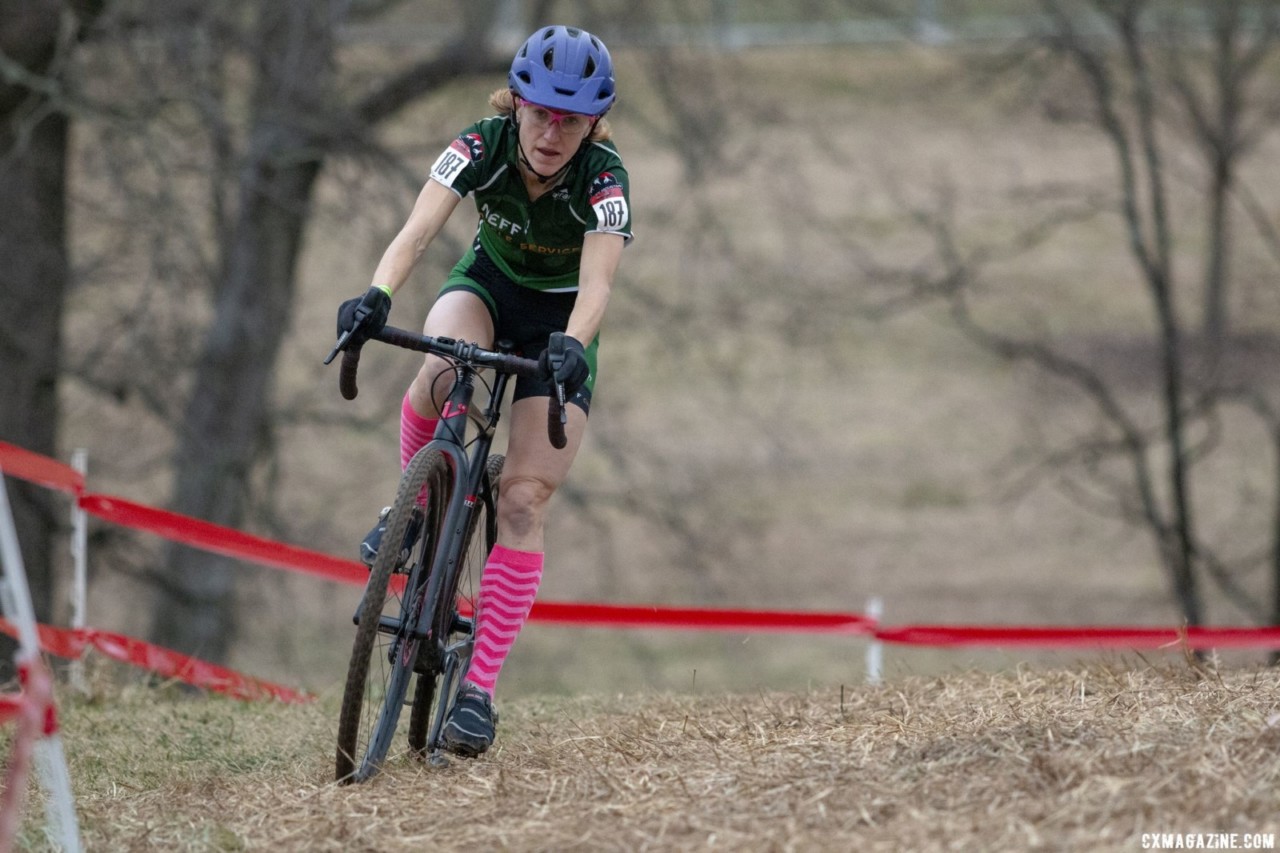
(382, 663)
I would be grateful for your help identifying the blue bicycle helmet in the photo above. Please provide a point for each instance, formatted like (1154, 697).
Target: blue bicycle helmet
(566, 69)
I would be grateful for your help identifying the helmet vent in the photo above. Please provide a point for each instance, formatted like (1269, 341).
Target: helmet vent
(549, 58)
(590, 69)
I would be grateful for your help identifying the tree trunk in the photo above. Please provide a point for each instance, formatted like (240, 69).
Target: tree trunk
(33, 278)
(228, 423)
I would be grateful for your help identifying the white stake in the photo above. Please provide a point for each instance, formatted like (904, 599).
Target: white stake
(80, 561)
(51, 764)
(875, 650)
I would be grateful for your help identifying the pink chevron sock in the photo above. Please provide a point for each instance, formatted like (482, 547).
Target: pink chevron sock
(507, 589)
(415, 431)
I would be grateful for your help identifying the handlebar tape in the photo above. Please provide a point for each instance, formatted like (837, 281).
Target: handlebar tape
(555, 426)
(347, 375)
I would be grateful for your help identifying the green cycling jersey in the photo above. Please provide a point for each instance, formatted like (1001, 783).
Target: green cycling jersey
(537, 244)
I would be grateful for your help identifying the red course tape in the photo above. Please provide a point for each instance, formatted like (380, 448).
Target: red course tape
(11, 705)
(649, 616)
(42, 470)
(235, 543)
(72, 644)
(223, 540)
(1116, 636)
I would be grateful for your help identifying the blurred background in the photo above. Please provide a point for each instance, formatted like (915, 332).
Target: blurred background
(971, 307)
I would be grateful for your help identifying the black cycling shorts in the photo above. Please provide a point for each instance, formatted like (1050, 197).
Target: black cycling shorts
(523, 316)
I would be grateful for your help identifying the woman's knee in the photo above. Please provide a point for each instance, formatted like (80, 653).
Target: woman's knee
(522, 503)
(431, 386)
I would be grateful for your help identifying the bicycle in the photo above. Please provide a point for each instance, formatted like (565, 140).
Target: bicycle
(415, 621)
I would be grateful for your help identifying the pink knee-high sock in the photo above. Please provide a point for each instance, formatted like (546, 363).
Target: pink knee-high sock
(415, 431)
(507, 589)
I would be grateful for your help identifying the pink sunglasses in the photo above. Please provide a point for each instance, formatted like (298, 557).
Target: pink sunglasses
(544, 117)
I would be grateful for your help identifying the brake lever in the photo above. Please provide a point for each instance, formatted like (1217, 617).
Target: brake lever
(341, 344)
(564, 417)
(361, 314)
(555, 360)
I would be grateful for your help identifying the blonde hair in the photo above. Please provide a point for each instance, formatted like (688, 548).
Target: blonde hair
(504, 101)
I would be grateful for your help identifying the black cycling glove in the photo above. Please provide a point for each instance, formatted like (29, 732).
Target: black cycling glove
(572, 370)
(373, 308)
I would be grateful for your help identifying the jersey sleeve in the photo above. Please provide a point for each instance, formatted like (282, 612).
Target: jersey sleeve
(459, 166)
(610, 200)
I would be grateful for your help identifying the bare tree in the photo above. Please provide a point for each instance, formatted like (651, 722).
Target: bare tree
(36, 41)
(1162, 86)
(214, 125)
(298, 115)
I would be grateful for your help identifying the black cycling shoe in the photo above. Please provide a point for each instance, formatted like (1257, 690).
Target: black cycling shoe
(373, 540)
(471, 725)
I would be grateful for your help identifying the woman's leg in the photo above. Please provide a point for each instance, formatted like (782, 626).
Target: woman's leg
(532, 473)
(457, 314)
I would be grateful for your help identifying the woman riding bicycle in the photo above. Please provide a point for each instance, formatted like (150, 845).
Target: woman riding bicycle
(552, 195)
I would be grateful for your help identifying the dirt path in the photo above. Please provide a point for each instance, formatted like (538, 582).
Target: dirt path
(1087, 759)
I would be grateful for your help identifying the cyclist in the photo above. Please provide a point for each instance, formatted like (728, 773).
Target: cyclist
(553, 202)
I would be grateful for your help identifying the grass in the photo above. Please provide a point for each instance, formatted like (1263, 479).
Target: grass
(1085, 757)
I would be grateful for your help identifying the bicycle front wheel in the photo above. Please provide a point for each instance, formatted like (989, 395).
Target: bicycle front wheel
(385, 648)
(482, 532)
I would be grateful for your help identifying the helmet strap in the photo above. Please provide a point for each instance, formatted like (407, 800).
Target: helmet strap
(542, 179)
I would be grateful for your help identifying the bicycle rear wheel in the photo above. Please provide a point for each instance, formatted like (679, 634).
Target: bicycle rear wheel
(384, 650)
(482, 532)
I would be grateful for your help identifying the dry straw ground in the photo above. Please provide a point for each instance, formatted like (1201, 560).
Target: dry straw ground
(1090, 758)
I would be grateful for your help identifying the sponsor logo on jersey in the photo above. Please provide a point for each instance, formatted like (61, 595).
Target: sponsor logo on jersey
(550, 250)
(461, 152)
(609, 203)
(500, 223)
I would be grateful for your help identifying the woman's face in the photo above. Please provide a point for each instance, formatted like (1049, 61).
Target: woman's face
(549, 137)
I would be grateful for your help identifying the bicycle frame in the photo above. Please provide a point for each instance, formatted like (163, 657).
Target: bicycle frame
(468, 471)
(427, 636)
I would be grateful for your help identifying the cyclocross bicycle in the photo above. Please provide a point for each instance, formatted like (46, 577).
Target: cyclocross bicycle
(415, 621)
